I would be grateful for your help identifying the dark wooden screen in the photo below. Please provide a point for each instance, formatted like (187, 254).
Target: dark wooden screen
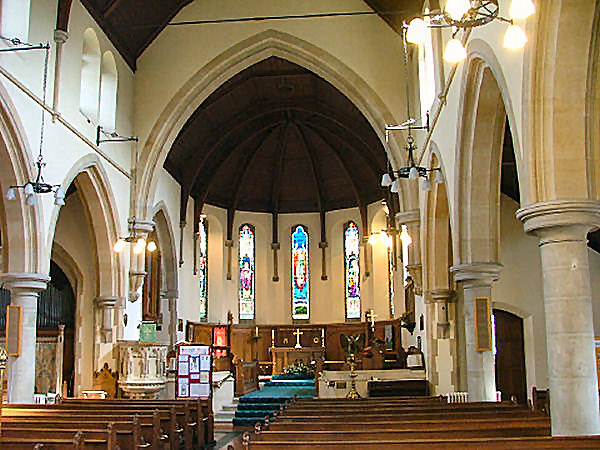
(510, 356)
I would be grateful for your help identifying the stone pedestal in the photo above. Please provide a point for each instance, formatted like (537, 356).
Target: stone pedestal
(561, 227)
(475, 279)
(24, 291)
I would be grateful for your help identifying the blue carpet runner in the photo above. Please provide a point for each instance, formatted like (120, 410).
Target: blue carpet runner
(255, 406)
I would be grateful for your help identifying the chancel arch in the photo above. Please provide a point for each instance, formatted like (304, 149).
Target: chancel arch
(262, 46)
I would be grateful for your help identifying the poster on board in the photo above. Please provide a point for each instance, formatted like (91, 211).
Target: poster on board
(194, 371)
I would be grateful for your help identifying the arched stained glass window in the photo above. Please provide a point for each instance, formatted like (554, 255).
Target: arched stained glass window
(300, 273)
(203, 266)
(247, 284)
(352, 270)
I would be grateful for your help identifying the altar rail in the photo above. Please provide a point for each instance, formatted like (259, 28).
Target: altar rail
(246, 377)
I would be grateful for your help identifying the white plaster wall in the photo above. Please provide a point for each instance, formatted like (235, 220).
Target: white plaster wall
(519, 290)
(273, 299)
(73, 235)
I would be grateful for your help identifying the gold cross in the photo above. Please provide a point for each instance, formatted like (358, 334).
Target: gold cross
(297, 333)
(371, 315)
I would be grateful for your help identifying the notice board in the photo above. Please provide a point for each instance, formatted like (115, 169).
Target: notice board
(194, 371)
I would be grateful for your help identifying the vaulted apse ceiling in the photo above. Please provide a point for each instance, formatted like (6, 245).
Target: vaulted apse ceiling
(278, 138)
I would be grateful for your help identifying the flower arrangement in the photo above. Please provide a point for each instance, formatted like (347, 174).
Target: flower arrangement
(299, 369)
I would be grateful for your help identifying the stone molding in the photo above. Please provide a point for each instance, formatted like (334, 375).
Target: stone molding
(563, 219)
(141, 226)
(106, 301)
(170, 293)
(408, 217)
(24, 281)
(440, 296)
(60, 36)
(275, 246)
(477, 273)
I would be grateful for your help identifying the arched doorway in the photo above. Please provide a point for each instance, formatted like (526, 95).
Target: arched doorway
(510, 356)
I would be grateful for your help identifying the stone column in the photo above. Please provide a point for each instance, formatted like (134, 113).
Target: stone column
(106, 305)
(475, 279)
(172, 296)
(441, 340)
(24, 291)
(562, 227)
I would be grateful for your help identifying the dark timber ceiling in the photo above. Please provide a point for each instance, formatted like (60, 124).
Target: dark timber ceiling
(278, 138)
(132, 25)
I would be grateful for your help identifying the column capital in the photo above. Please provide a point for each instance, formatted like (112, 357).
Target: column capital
(440, 296)
(229, 243)
(106, 301)
(60, 36)
(477, 273)
(141, 226)
(275, 245)
(323, 244)
(24, 281)
(170, 293)
(408, 217)
(560, 220)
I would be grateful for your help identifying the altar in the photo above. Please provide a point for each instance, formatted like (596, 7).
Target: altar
(285, 356)
(336, 383)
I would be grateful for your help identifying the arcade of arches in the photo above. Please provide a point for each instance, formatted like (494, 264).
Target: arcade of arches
(257, 174)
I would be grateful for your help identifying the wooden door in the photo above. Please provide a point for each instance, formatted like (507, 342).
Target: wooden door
(510, 356)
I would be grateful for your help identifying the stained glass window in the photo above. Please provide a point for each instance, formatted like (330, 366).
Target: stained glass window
(300, 273)
(247, 282)
(203, 266)
(390, 253)
(352, 270)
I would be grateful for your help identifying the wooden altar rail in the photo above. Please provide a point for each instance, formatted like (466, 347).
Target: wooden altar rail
(246, 377)
(441, 426)
(151, 423)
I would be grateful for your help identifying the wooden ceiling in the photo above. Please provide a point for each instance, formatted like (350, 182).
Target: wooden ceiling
(132, 25)
(278, 138)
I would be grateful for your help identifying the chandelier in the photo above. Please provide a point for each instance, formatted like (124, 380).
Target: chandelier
(465, 15)
(138, 241)
(37, 186)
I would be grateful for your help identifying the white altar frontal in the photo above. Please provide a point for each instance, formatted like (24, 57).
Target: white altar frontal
(336, 383)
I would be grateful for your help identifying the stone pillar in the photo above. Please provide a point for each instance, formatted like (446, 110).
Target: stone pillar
(106, 305)
(475, 279)
(24, 291)
(562, 227)
(172, 296)
(441, 340)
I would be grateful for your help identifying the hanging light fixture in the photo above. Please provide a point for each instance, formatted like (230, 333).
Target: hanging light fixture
(465, 15)
(412, 171)
(38, 186)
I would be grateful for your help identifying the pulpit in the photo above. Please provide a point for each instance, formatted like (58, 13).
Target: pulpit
(142, 369)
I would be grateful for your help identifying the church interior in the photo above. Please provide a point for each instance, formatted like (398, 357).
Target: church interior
(335, 223)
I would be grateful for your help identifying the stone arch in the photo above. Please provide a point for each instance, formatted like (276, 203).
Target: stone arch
(239, 57)
(167, 243)
(20, 227)
(91, 180)
(437, 236)
(558, 96)
(481, 122)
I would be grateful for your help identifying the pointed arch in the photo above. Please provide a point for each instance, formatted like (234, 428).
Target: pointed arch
(89, 88)
(109, 83)
(234, 60)
(168, 247)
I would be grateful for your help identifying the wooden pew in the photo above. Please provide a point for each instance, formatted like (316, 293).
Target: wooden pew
(51, 440)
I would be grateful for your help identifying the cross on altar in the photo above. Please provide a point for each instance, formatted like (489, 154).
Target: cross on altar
(297, 333)
(371, 317)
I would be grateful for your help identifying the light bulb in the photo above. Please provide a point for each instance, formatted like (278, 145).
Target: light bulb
(454, 52)
(413, 173)
(439, 177)
(383, 237)
(389, 242)
(417, 31)
(151, 246)
(119, 246)
(457, 8)
(28, 189)
(426, 185)
(404, 236)
(10, 194)
(372, 239)
(140, 245)
(30, 200)
(395, 186)
(521, 9)
(386, 180)
(514, 38)
(60, 192)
